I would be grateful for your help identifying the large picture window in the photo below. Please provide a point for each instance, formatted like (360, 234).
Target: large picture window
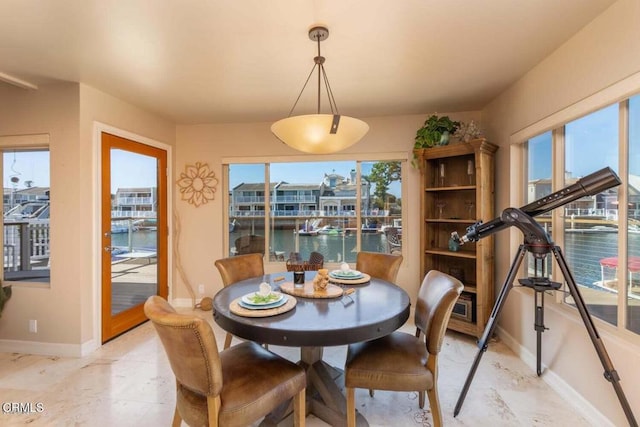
(306, 210)
(596, 228)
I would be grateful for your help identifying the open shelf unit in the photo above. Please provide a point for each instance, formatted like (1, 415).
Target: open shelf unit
(457, 183)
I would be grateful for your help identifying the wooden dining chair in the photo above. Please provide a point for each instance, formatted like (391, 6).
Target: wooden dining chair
(401, 361)
(236, 268)
(379, 265)
(235, 387)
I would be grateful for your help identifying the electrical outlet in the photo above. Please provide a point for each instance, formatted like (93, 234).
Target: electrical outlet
(201, 289)
(33, 326)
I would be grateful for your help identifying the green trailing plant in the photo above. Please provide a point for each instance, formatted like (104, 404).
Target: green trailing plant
(5, 294)
(435, 131)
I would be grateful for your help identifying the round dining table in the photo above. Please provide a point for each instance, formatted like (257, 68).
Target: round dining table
(372, 310)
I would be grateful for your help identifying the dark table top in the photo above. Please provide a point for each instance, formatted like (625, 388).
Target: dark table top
(374, 310)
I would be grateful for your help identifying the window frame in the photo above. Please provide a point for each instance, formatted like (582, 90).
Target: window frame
(32, 142)
(402, 157)
(619, 94)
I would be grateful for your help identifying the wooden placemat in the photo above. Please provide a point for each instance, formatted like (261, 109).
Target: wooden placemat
(331, 291)
(364, 279)
(236, 308)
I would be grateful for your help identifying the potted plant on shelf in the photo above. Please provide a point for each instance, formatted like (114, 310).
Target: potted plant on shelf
(435, 131)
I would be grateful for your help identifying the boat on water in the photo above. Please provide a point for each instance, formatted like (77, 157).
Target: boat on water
(118, 227)
(397, 224)
(310, 228)
(330, 230)
(33, 212)
(369, 226)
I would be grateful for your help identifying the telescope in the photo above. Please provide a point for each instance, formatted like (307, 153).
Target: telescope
(589, 185)
(538, 243)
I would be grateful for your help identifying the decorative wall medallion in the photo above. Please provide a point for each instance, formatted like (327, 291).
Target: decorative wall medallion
(197, 184)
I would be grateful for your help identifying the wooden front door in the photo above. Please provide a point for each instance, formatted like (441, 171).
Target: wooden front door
(133, 231)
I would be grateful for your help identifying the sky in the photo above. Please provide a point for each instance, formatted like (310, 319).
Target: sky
(26, 166)
(591, 144)
(131, 169)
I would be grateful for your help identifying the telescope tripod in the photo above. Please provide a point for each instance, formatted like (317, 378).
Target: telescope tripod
(539, 244)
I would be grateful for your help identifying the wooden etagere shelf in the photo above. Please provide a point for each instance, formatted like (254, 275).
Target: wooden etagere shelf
(457, 191)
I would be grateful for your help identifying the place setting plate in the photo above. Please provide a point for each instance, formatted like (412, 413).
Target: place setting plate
(251, 306)
(256, 301)
(349, 277)
(346, 274)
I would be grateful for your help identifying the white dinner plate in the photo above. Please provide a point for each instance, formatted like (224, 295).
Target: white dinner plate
(249, 299)
(346, 275)
(282, 301)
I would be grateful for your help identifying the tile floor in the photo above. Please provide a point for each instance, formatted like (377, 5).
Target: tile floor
(128, 382)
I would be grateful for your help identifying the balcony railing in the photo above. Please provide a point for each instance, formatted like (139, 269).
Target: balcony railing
(135, 201)
(25, 245)
(309, 213)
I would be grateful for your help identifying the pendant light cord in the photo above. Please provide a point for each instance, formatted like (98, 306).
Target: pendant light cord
(322, 76)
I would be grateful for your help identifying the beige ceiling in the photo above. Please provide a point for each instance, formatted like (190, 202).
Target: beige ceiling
(212, 61)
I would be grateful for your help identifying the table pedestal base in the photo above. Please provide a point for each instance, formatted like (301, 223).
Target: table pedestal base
(325, 393)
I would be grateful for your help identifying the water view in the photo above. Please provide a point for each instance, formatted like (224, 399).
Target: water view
(336, 247)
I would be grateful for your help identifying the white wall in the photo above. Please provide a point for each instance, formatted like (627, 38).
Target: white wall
(201, 241)
(602, 54)
(52, 110)
(65, 308)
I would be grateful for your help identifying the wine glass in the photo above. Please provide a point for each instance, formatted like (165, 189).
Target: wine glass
(440, 204)
(469, 204)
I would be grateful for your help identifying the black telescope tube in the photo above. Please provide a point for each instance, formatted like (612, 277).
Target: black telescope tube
(589, 185)
(586, 186)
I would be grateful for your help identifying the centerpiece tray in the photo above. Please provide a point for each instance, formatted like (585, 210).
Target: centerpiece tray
(331, 291)
(236, 308)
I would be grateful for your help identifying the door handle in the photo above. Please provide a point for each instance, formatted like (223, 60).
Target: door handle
(108, 248)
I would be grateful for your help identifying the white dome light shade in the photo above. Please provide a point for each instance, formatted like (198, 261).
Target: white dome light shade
(312, 133)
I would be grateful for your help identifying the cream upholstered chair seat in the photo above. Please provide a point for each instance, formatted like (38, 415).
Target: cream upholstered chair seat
(236, 268)
(235, 387)
(403, 362)
(379, 265)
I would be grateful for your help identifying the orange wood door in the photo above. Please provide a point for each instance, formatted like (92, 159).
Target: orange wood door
(133, 231)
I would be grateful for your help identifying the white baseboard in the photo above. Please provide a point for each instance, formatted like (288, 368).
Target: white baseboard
(46, 348)
(556, 382)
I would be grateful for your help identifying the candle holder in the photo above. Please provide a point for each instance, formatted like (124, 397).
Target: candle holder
(441, 174)
(470, 171)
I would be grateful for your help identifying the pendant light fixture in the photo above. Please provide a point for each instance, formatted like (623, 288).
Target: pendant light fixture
(319, 133)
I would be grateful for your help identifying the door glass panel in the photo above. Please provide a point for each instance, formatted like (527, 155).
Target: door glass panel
(134, 230)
